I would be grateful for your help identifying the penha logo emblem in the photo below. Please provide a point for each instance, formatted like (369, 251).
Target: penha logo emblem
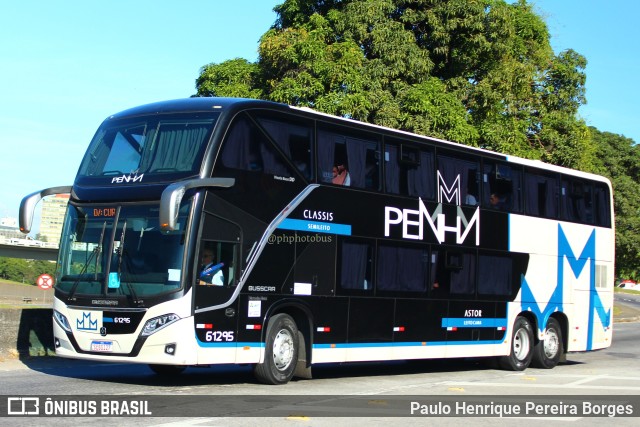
(86, 323)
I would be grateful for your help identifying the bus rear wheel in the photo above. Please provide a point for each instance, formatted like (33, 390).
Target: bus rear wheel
(547, 352)
(521, 352)
(281, 351)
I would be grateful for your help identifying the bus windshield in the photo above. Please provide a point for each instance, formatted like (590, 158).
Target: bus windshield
(119, 251)
(147, 149)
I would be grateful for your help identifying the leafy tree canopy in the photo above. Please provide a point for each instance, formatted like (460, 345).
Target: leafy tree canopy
(479, 72)
(620, 161)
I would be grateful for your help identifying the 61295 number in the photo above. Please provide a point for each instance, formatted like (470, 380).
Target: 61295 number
(218, 336)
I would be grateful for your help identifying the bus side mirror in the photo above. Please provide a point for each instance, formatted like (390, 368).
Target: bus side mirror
(28, 205)
(173, 194)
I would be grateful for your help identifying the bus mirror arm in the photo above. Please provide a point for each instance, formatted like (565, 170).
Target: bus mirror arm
(28, 205)
(173, 194)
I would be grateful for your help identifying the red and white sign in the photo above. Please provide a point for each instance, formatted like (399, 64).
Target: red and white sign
(45, 281)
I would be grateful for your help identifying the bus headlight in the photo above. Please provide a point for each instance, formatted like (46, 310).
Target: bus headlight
(61, 319)
(154, 325)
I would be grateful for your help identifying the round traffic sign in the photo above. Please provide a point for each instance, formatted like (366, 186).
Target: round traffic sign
(45, 281)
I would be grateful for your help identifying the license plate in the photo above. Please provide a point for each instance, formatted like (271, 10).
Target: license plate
(101, 345)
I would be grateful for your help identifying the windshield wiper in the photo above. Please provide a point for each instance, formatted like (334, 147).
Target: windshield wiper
(132, 291)
(95, 253)
(99, 251)
(124, 230)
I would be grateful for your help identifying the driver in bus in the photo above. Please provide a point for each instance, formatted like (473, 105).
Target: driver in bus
(210, 271)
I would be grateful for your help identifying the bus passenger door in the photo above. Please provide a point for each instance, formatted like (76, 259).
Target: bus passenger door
(315, 262)
(215, 280)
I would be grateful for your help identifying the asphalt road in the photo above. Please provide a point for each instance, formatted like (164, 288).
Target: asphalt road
(613, 373)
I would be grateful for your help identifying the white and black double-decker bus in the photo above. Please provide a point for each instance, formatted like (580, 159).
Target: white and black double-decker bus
(220, 231)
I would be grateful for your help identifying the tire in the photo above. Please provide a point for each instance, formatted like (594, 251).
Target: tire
(521, 351)
(548, 351)
(281, 351)
(167, 370)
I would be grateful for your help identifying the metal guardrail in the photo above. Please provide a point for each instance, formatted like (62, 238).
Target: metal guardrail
(28, 252)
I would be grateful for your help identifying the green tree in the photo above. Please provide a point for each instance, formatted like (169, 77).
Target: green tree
(15, 269)
(235, 78)
(620, 161)
(479, 72)
(26, 271)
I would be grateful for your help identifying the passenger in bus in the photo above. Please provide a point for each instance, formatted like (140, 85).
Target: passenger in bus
(210, 271)
(496, 201)
(470, 199)
(341, 176)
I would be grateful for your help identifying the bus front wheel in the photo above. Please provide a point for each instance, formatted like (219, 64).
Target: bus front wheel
(521, 352)
(281, 351)
(547, 352)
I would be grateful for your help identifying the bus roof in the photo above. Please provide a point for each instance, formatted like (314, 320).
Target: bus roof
(207, 104)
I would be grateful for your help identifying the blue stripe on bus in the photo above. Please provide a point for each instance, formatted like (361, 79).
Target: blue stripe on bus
(405, 344)
(313, 226)
(354, 345)
(473, 322)
(229, 344)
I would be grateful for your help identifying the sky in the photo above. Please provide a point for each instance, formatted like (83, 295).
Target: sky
(66, 66)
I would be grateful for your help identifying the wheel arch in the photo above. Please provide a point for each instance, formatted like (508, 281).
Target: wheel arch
(563, 320)
(302, 316)
(559, 316)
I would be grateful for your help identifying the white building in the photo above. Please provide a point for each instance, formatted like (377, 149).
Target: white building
(53, 210)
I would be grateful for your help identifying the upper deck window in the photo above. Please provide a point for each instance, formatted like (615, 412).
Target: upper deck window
(160, 148)
(348, 159)
(409, 170)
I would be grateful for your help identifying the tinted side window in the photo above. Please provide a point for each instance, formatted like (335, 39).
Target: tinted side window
(247, 148)
(409, 170)
(458, 181)
(576, 200)
(541, 194)
(355, 265)
(402, 268)
(453, 274)
(602, 205)
(345, 159)
(294, 140)
(502, 187)
(495, 275)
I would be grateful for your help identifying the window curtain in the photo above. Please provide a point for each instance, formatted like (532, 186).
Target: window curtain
(237, 153)
(401, 269)
(281, 132)
(463, 280)
(450, 169)
(353, 272)
(602, 209)
(177, 147)
(420, 180)
(326, 153)
(271, 159)
(540, 196)
(294, 141)
(392, 170)
(513, 199)
(494, 275)
(356, 161)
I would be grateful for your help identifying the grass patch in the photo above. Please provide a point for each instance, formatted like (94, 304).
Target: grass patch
(11, 282)
(626, 291)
